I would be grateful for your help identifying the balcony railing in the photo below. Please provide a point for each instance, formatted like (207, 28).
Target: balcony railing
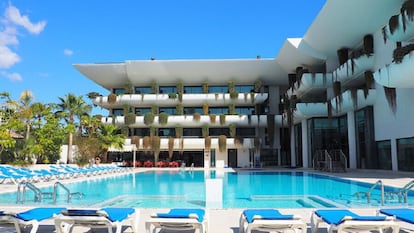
(403, 31)
(163, 100)
(354, 68)
(190, 122)
(310, 82)
(397, 75)
(191, 143)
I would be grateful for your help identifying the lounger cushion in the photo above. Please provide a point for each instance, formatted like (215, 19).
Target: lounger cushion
(404, 214)
(183, 213)
(38, 214)
(252, 214)
(118, 214)
(337, 216)
(82, 212)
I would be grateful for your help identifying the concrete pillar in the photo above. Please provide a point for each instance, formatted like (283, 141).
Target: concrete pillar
(292, 148)
(352, 140)
(305, 148)
(394, 159)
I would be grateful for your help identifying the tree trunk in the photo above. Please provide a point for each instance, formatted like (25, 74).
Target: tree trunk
(69, 147)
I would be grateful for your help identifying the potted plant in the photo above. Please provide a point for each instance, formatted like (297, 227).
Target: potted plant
(232, 128)
(111, 98)
(170, 147)
(205, 130)
(130, 118)
(149, 118)
(196, 117)
(205, 87)
(222, 119)
(207, 143)
(205, 108)
(212, 118)
(222, 141)
(257, 85)
(153, 87)
(163, 118)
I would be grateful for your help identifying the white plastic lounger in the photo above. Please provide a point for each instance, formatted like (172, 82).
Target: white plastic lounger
(178, 220)
(97, 218)
(401, 214)
(270, 220)
(346, 221)
(28, 218)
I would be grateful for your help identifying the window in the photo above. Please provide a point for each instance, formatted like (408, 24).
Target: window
(142, 90)
(193, 90)
(218, 89)
(117, 112)
(118, 91)
(168, 89)
(384, 154)
(405, 154)
(142, 111)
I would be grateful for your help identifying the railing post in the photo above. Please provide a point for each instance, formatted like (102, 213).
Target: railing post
(382, 193)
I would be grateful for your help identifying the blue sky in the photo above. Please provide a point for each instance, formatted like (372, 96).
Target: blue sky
(41, 39)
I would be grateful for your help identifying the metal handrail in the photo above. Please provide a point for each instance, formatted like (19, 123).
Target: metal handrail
(58, 184)
(403, 192)
(21, 189)
(368, 193)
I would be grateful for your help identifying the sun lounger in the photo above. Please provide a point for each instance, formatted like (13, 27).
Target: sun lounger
(269, 220)
(401, 214)
(345, 221)
(178, 220)
(97, 218)
(31, 217)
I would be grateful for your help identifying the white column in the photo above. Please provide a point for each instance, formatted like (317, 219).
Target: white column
(214, 193)
(394, 159)
(352, 140)
(305, 148)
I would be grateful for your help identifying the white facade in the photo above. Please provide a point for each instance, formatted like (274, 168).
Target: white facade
(361, 107)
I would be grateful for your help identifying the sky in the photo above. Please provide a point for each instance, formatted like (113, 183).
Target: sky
(40, 40)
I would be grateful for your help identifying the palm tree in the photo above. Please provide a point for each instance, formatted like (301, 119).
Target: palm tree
(25, 110)
(72, 106)
(110, 136)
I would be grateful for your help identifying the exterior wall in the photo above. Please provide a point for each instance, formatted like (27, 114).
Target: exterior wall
(243, 159)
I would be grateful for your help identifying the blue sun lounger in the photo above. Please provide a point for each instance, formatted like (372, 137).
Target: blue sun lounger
(401, 214)
(342, 220)
(31, 217)
(269, 220)
(97, 218)
(178, 220)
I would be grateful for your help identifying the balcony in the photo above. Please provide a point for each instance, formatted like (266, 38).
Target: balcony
(353, 68)
(398, 33)
(353, 100)
(397, 75)
(190, 122)
(309, 110)
(164, 100)
(310, 83)
(190, 144)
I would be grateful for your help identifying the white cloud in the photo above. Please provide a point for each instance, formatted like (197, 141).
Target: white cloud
(15, 77)
(7, 57)
(9, 24)
(68, 52)
(13, 15)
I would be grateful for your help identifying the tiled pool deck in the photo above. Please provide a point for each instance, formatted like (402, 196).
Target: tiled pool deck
(227, 220)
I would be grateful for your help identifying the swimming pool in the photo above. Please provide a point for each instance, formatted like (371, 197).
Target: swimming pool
(243, 189)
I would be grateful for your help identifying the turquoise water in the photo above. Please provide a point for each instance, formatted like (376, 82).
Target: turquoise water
(245, 189)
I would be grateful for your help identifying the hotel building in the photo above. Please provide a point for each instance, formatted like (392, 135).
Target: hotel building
(334, 99)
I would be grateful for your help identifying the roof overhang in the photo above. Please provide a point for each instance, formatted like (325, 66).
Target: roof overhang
(168, 72)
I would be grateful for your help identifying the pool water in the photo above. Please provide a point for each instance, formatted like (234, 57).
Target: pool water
(243, 189)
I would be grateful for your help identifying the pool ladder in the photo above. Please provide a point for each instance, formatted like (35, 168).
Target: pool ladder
(367, 194)
(402, 193)
(39, 195)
